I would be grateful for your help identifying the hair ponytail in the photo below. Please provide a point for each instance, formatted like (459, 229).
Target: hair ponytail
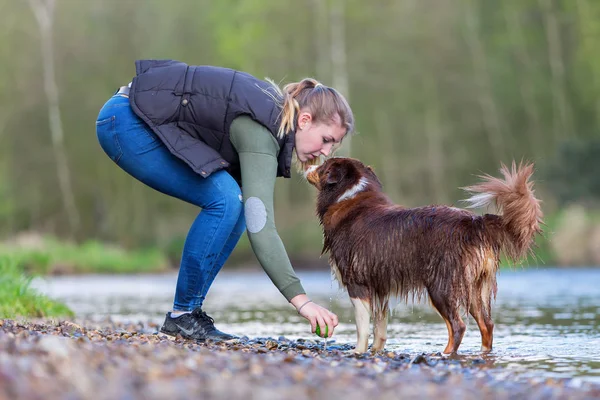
(325, 105)
(290, 107)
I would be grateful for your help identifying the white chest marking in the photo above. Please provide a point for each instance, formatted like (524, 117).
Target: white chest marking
(350, 193)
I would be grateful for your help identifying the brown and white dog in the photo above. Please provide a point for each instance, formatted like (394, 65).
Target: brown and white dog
(378, 250)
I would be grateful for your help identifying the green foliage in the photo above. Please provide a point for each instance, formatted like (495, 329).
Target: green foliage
(18, 299)
(55, 256)
(587, 58)
(573, 175)
(6, 206)
(440, 90)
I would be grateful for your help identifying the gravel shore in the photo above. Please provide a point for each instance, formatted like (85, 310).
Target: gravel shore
(65, 360)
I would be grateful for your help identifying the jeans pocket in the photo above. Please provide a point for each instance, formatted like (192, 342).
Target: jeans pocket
(107, 137)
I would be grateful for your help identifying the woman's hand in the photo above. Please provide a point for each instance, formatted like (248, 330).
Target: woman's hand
(316, 314)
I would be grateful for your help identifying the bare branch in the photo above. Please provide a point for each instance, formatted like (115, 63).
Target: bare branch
(562, 112)
(491, 118)
(338, 57)
(44, 11)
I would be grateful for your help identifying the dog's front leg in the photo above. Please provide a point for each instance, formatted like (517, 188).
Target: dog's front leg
(362, 317)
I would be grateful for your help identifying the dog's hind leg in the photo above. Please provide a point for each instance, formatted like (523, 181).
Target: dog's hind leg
(481, 312)
(451, 315)
(380, 329)
(362, 317)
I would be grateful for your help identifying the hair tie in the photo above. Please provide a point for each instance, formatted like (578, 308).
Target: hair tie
(300, 308)
(318, 84)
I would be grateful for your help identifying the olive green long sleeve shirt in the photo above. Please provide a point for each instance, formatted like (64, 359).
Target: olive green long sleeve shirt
(258, 151)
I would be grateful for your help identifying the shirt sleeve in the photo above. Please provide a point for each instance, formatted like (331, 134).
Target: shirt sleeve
(258, 150)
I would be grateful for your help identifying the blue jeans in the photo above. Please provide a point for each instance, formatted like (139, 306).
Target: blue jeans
(134, 147)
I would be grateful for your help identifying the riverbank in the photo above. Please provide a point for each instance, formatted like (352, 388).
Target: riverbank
(570, 239)
(17, 297)
(57, 360)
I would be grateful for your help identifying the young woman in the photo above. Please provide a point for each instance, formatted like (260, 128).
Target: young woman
(201, 134)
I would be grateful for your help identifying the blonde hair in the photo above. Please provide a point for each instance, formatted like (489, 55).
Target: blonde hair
(322, 102)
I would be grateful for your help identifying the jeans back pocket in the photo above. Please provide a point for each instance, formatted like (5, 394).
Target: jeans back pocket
(107, 137)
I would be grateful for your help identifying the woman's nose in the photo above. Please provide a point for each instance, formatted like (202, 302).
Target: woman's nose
(325, 150)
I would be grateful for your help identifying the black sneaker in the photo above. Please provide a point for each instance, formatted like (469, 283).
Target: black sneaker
(196, 325)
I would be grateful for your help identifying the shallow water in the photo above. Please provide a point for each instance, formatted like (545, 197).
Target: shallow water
(547, 320)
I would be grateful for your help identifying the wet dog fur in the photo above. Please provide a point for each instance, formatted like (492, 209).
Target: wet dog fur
(379, 250)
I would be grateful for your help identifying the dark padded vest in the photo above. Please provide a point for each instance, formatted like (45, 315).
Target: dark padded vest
(190, 108)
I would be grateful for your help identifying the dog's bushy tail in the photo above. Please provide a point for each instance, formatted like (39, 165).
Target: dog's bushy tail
(521, 215)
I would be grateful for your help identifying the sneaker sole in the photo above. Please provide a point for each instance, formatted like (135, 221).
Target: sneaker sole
(174, 334)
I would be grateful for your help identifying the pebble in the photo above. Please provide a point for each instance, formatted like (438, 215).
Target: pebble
(83, 360)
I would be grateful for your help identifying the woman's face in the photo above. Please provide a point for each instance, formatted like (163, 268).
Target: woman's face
(315, 139)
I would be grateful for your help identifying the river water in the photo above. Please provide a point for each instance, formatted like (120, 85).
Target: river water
(547, 320)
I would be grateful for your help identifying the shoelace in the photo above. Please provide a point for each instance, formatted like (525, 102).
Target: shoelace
(204, 319)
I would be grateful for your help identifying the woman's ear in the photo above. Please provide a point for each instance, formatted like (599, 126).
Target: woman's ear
(304, 118)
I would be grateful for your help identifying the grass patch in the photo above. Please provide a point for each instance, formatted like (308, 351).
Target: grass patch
(50, 256)
(17, 298)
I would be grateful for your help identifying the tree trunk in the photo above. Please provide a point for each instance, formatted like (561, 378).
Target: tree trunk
(387, 159)
(491, 120)
(526, 87)
(44, 11)
(338, 57)
(589, 30)
(562, 125)
(321, 40)
(433, 127)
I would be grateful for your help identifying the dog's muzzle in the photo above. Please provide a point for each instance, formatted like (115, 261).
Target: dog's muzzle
(310, 174)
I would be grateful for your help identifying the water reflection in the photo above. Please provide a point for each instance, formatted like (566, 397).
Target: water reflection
(547, 321)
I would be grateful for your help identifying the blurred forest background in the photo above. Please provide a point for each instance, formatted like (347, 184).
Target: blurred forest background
(441, 90)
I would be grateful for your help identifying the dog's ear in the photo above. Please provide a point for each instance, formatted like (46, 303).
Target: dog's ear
(334, 174)
(374, 175)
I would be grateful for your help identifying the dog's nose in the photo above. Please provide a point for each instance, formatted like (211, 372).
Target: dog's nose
(310, 174)
(309, 169)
